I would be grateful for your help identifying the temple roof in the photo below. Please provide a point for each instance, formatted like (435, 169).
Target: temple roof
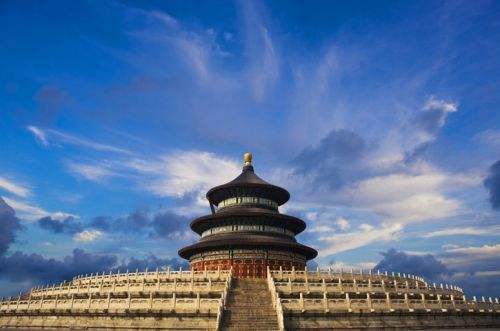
(248, 181)
(206, 222)
(249, 241)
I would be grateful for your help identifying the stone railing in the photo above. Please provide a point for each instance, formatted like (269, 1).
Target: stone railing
(220, 311)
(276, 301)
(361, 279)
(298, 290)
(177, 286)
(341, 286)
(112, 305)
(185, 294)
(368, 304)
(162, 275)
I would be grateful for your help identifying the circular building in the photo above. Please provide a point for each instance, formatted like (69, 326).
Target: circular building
(246, 231)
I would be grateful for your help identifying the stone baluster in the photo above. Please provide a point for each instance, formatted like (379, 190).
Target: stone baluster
(198, 301)
(407, 301)
(293, 272)
(174, 300)
(301, 302)
(325, 302)
(218, 272)
(355, 284)
(192, 285)
(453, 301)
(150, 300)
(72, 300)
(369, 300)
(281, 272)
(168, 272)
(422, 296)
(440, 302)
(128, 300)
(370, 288)
(340, 284)
(19, 300)
(175, 284)
(407, 285)
(90, 300)
(323, 285)
(383, 285)
(209, 284)
(348, 301)
(29, 301)
(143, 283)
(307, 284)
(388, 301)
(290, 284)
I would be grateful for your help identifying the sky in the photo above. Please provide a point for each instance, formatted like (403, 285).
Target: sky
(381, 118)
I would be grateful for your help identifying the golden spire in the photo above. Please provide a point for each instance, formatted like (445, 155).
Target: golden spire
(247, 158)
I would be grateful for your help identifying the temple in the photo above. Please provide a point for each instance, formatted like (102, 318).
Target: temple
(248, 272)
(246, 231)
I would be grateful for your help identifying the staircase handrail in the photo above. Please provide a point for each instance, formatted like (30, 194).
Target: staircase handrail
(276, 300)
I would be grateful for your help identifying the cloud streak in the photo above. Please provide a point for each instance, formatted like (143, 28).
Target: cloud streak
(46, 135)
(14, 188)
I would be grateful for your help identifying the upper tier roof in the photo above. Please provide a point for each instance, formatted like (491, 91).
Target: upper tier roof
(248, 182)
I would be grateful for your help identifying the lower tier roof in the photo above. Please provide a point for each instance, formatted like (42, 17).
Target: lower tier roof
(249, 242)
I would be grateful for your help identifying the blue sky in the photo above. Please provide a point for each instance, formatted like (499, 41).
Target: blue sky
(381, 118)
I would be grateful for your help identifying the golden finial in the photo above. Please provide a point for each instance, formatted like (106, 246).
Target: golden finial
(247, 157)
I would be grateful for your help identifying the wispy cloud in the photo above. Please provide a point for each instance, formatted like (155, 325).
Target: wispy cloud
(46, 135)
(39, 135)
(14, 188)
(348, 241)
(465, 231)
(182, 172)
(87, 235)
(29, 212)
(92, 171)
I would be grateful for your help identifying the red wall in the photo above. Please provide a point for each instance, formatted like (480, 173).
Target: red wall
(247, 268)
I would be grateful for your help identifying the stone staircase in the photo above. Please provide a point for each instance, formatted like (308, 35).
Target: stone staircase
(249, 306)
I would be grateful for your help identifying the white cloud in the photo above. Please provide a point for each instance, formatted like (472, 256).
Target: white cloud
(44, 135)
(30, 212)
(435, 104)
(88, 235)
(484, 251)
(183, 172)
(419, 194)
(14, 188)
(366, 227)
(470, 231)
(343, 224)
(39, 135)
(96, 172)
(352, 240)
(462, 257)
